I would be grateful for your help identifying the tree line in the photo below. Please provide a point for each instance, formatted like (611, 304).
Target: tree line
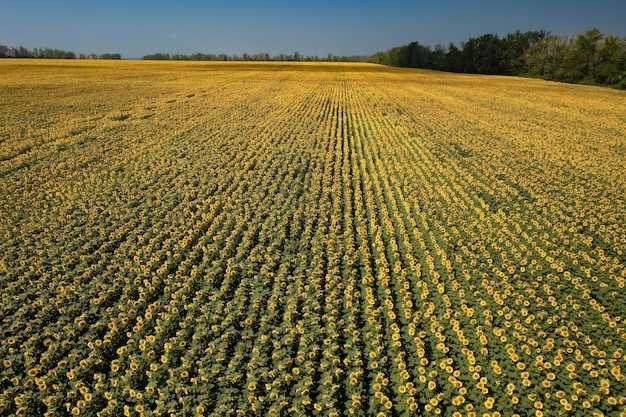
(49, 53)
(296, 56)
(43, 53)
(590, 58)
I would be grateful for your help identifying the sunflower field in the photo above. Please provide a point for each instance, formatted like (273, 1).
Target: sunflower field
(310, 239)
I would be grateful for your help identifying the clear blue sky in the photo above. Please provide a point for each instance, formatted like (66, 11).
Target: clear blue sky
(317, 27)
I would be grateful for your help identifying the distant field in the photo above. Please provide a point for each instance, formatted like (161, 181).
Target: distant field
(308, 239)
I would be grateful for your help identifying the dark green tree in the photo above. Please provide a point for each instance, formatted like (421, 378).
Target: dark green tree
(414, 55)
(454, 59)
(583, 54)
(157, 57)
(22, 52)
(611, 63)
(110, 56)
(438, 58)
(515, 46)
(545, 57)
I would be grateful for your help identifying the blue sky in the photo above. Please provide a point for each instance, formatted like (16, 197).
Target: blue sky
(353, 27)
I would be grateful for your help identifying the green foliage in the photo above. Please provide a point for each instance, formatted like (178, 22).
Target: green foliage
(110, 56)
(261, 56)
(48, 53)
(487, 54)
(589, 58)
